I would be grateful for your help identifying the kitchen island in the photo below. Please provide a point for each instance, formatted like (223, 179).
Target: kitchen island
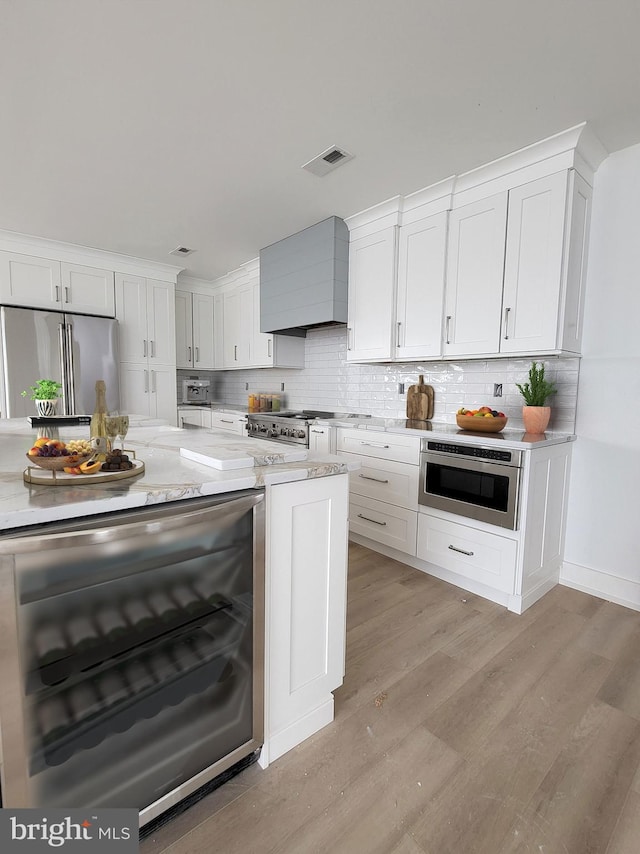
(304, 542)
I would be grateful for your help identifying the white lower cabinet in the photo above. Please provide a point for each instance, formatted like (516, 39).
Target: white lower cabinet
(148, 391)
(320, 439)
(482, 557)
(385, 480)
(384, 523)
(306, 576)
(228, 421)
(192, 417)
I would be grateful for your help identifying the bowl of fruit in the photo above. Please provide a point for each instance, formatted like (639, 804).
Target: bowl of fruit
(481, 420)
(52, 454)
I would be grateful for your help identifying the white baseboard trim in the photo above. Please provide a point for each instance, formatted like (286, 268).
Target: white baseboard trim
(622, 591)
(286, 739)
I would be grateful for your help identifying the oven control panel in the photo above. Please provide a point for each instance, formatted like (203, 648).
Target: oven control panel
(470, 451)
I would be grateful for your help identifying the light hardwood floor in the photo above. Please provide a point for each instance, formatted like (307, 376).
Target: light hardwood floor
(460, 729)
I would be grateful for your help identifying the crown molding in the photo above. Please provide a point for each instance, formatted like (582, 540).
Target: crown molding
(72, 253)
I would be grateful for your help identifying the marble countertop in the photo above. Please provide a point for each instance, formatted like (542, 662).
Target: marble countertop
(440, 430)
(168, 476)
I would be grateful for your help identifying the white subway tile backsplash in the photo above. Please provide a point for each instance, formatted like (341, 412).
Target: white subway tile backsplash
(330, 383)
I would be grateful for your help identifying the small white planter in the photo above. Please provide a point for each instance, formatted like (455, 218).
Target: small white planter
(47, 407)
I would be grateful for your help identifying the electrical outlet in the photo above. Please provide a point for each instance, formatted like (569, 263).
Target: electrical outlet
(497, 389)
(281, 386)
(400, 388)
(246, 386)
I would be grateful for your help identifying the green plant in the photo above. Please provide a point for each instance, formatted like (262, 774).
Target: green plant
(537, 390)
(44, 390)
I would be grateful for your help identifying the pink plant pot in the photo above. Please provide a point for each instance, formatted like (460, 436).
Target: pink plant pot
(536, 418)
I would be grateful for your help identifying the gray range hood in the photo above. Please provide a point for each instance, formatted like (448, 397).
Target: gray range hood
(303, 279)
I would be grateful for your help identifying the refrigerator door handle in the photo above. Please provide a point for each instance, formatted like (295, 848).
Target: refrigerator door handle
(71, 377)
(63, 368)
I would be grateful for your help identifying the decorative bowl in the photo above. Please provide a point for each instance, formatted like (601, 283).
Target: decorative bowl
(480, 424)
(58, 463)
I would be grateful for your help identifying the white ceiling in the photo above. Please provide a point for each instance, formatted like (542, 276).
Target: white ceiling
(140, 125)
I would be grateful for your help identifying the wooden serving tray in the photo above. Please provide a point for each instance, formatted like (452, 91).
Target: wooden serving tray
(33, 474)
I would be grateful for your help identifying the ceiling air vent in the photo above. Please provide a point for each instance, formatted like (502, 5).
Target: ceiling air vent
(182, 251)
(327, 161)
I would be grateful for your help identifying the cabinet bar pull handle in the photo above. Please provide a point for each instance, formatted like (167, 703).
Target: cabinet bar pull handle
(223, 421)
(446, 329)
(398, 335)
(144, 348)
(154, 382)
(506, 323)
(153, 348)
(189, 349)
(318, 431)
(375, 521)
(348, 337)
(377, 479)
(462, 551)
(269, 348)
(67, 294)
(146, 382)
(197, 354)
(235, 352)
(57, 293)
(373, 445)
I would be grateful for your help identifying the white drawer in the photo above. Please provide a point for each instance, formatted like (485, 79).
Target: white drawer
(393, 526)
(386, 446)
(486, 558)
(226, 421)
(385, 480)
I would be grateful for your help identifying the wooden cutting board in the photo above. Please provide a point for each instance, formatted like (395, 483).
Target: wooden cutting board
(420, 401)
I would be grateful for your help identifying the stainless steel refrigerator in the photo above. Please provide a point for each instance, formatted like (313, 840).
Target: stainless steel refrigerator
(74, 349)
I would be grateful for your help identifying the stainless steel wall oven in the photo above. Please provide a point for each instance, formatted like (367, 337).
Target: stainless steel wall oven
(477, 481)
(132, 654)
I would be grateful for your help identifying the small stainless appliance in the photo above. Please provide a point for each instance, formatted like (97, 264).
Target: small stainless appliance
(196, 392)
(477, 481)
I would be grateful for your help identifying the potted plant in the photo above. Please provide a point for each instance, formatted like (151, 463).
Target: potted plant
(535, 393)
(45, 393)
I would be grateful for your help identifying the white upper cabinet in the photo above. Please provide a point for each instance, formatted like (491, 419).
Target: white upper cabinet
(195, 338)
(36, 282)
(237, 312)
(515, 272)
(146, 315)
(87, 290)
(533, 265)
(474, 277)
(372, 268)
(420, 290)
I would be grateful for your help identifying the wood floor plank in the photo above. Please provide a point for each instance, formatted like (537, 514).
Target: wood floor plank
(622, 688)
(474, 811)
(371, 815)
(577, 805)
(480, 704)
(626, 836)
(611, 631)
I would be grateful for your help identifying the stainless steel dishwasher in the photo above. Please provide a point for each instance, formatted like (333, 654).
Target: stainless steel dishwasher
(132, 654)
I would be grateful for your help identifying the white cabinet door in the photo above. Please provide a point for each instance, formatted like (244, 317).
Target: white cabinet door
(162, 392)
(320, 439)
(533, 265)
(477, 234)
(184, 330)
(131, 311)
(218, 330)
(30, 281)
(420, 293)
(372, 264)
(238, 326)
(88, 290)
(134, 388)
(262, 342)
(306, 572)
(203, 332)
(161, 327)
(190, 417)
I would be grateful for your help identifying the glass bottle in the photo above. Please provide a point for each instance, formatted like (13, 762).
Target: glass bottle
(98, 427)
